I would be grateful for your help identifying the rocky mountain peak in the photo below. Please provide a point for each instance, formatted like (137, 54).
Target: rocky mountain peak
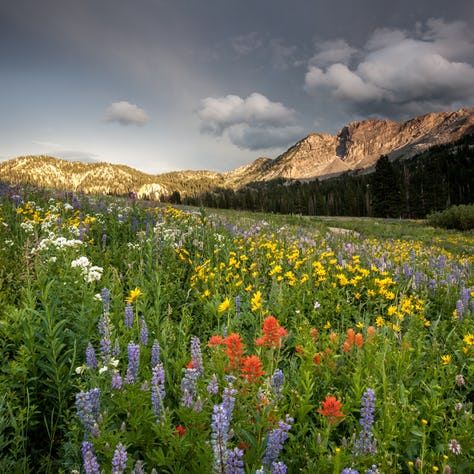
(357, 146)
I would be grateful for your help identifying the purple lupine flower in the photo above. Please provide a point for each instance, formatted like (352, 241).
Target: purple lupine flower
(279, 468)
(117, 381)
(91, 359)
(373, 470)
(277, 381)
(128, 320)
(228, 400)
(188, 387)
(349, 470)
(143, 331)
(138, 469)
(238, 305)
(213, 386)
(234, 463)
(465, 296)
(116, 349)
(104, 240)
(221, 418)
(196, 355)
(275, 441)
(119, 460)
(133, 362)
(88, 408)
(157, 389)
(105, 330)
(89, 460)
(459, 309)
(155, 353)
(365, 443)
(220, 435)
(105, 297)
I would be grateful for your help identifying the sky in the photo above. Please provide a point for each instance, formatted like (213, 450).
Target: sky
(165, 85)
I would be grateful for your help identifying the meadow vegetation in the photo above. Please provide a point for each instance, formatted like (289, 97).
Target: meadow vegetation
(163, 339)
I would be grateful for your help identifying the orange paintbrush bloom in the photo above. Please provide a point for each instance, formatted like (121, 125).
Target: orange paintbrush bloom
(331, 409)
(252, 368)
(215, 341)
(234, 350)
(359, 340)
(272, 333)
(350, 336)
(347, 346)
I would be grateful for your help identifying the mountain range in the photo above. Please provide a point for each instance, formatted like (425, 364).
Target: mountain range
(354, 149)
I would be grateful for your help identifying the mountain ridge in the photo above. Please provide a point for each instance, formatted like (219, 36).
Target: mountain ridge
(355, 148)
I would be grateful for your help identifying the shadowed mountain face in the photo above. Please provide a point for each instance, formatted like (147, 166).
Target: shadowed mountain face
(357, 146)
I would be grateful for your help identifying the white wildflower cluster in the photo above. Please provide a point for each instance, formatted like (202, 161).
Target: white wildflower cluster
(89, 272)
(133, 246)
(68, 207)
(27, 227)
(48, 223)
(57, 243)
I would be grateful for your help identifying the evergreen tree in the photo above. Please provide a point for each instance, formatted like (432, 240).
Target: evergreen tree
(386, 196)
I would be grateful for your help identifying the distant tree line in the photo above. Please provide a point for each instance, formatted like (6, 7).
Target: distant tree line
(434, 180)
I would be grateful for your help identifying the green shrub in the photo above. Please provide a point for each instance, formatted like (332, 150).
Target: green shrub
(455, 217)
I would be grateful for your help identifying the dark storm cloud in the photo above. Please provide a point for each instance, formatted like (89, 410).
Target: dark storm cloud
(397, 71)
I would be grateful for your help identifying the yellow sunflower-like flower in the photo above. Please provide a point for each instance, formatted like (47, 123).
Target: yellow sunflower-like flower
(469, 339)
(446, 359)
(224, 306)
(133, 296)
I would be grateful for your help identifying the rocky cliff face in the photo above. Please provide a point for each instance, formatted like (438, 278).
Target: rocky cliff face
(357, 146)
(360, 144)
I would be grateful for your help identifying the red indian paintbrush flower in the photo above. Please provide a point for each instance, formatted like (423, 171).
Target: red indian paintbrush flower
(180, 430)
(272, 333)
(252, 368)
(215, 340)
(234, 350)
(331, 409)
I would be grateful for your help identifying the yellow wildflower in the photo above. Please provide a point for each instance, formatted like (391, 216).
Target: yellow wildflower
(446, 359)
(134, 294)
(224, 306)
(256, 301)
(391, 310)
(469, 339)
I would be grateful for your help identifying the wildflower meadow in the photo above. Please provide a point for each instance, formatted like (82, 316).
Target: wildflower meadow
(152, 339)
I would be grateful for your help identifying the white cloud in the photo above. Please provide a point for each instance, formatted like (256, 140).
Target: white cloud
(430, 68)
(334, 51)
(125, 113)
(254, 122)
(46, 144)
